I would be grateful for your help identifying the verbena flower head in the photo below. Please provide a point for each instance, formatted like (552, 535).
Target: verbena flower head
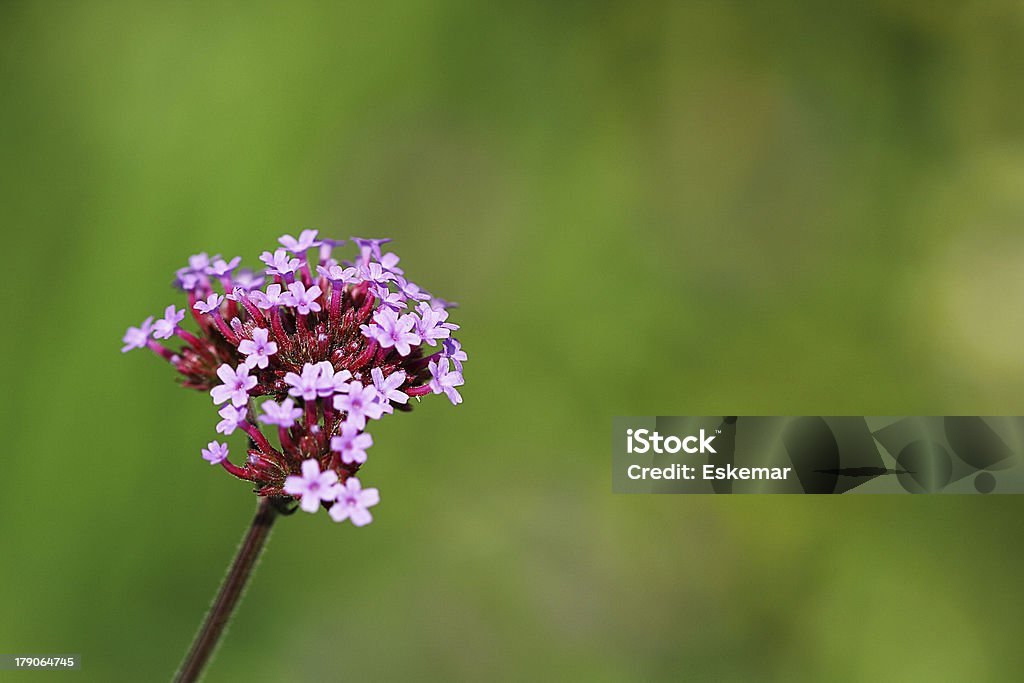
(303, 356)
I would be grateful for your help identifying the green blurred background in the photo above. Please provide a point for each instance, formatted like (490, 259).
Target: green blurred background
(643, 208)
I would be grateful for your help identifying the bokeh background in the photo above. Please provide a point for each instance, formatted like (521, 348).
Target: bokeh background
(643, 208)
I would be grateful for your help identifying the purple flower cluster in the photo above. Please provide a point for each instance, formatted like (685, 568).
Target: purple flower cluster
(312, 350)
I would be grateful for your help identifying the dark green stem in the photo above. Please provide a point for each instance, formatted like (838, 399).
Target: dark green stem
(230, 591)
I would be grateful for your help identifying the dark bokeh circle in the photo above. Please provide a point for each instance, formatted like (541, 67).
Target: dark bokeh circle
(985, 482)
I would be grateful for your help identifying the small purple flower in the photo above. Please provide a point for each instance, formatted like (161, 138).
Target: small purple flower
(258, 349)
(331, 382)
(430, 324)
(222, 268)
(439, 304)
(231, 417)
(353, 502)
(375, 274)
(452, 348)
(137, 337)
(165, 326)
(314, 486)
(195, 273)
(283, 415)
(393, 301)
(411, 290)
(211, 305)
(278, 263)
(387, 389)
(200, 263)
(249, 280)
(443, 380)
(352, 444)
(304, 385)
(304, 300)
(369, 248)
(272, 297)
(390, 330)
(360, 403)
(215, 452)
(338, 275)
(307, 240)
(236, 385)
(389, 262)
(187, 280)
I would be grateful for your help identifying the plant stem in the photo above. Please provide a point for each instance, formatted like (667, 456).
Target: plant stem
(230, 591)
